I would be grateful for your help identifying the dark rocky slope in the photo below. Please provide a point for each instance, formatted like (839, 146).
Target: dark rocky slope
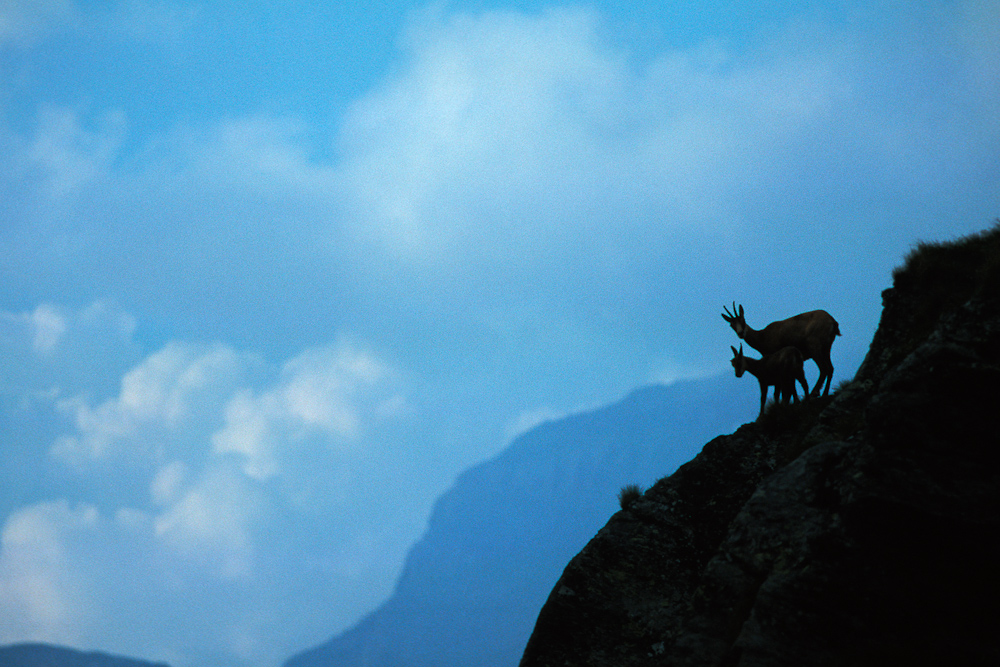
(859, 529)
(44, 655)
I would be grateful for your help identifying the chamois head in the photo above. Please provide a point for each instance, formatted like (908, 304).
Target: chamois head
(738, 361)
(779, 370)
(736, 320)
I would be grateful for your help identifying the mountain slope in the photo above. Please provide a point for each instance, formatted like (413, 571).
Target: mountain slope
(496, 541)
(856, 530)
(44, 655)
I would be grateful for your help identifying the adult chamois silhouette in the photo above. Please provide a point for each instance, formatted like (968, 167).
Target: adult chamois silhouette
(812, 333)
(779, 370)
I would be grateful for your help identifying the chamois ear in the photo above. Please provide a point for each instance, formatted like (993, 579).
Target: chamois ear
(741, 309)
(735, 353)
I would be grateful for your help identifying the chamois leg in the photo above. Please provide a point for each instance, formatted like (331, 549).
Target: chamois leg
(805, 386)
(791, 390)
(822, 366)
(825, 372)
(763, 399)
(781, 393)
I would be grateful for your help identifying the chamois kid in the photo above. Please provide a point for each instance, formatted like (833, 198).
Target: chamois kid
(779, 370)
(812, 333)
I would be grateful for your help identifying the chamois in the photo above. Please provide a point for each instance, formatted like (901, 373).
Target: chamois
(812, 333)
(780, 370)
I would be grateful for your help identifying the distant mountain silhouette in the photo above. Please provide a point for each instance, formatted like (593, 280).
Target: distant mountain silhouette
(45, 655)
(499, 538)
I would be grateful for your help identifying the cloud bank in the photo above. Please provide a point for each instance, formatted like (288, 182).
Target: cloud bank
(201, 474)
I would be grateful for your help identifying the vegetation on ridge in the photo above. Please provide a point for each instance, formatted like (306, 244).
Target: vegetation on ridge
(628, 495)
(949, 273)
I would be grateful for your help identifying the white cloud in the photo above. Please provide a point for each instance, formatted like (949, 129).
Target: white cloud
(212, 523)
(40, 598)
(40, 330)
(168, 482)
(269, 152)
(186, 401)
(248, 432)
(323, 387)
(507, 135)
(50, 326)
(73, 576)
(332, 391)
(72, 155)
(180, 385)
(53, 324)
(52, 350)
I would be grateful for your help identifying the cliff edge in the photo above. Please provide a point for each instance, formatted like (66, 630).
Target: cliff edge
(858, 529)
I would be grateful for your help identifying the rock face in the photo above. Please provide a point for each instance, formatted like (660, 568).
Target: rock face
(44, 655)
(859, 529)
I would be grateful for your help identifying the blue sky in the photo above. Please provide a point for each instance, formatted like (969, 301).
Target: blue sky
(272, 274)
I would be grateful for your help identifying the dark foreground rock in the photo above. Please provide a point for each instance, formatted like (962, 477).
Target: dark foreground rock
(854, 530)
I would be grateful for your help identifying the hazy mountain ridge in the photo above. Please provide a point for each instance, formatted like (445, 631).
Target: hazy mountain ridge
(45, 655)
(496, 541)
(854, 530)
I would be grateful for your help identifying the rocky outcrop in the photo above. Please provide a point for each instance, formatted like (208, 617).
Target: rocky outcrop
(854, 530)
